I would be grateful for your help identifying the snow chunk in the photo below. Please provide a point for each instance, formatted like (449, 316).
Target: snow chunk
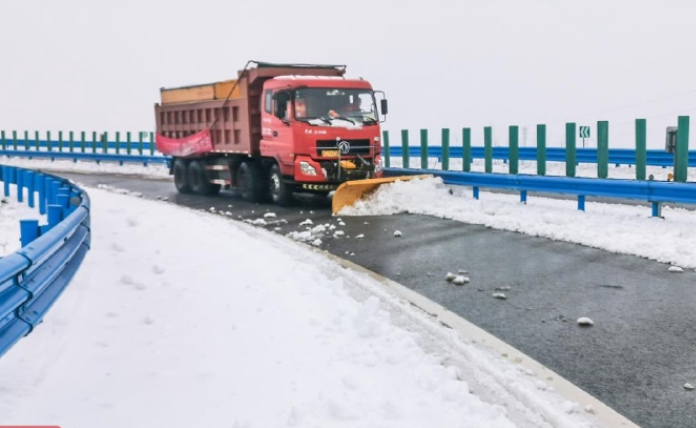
(675, 269)
(269, 215)
(688, 386)
(450, 277)
(257, 222)
(307, 222)
(361, 236)
(340, 223)
(316, 242)
(319, 229)
(397, 233)
(460, 280)
(338, 233)
(500, 296)
(584, 321)
(300, 236)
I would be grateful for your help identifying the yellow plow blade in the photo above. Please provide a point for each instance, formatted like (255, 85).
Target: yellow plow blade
(351, 191)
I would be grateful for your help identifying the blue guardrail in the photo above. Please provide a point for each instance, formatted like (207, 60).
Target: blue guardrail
(655, 192)
(32, 278)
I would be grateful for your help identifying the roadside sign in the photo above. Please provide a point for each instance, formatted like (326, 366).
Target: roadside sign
(584, 132)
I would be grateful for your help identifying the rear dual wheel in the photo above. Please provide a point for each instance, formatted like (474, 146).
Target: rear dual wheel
(191, 177)
(180, 172)
(199, 180)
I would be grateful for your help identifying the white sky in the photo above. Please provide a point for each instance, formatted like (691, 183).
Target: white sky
(149, 334)
(99, 65)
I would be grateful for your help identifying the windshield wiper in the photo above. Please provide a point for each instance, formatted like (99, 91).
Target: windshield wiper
(308, 119)
(344, 118)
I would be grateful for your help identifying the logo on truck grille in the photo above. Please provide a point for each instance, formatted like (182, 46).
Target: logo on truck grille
(344, 147)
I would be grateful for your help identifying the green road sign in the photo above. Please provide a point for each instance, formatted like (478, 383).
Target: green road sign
(584, 131)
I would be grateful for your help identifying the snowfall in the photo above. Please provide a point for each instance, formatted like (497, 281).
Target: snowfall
(221, 323)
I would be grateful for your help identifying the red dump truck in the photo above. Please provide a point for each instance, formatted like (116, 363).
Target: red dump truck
(274, 130)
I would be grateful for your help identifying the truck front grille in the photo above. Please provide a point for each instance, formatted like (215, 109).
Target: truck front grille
(357, 147)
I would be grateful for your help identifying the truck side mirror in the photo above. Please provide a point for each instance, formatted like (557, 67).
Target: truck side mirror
(383, 105)
(671, 139)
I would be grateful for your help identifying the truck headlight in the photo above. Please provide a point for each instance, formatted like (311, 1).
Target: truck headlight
(307, 169)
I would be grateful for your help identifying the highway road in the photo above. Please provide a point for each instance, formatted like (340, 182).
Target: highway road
(637, 356)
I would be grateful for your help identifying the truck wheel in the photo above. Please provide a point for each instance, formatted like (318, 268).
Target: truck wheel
(199, 181)
(180, 172)
(280, 192)
(251, 184)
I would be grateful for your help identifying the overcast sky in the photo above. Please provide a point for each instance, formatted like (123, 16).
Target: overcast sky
(99, 65)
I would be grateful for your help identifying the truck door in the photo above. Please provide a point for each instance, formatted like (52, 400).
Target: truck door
(277, 135)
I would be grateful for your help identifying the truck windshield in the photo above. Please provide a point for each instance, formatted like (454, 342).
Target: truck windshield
(326, 105)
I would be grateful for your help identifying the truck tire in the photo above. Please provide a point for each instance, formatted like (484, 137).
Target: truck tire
(180, 172)
(251, 184)
(199, 181)
(279, 191)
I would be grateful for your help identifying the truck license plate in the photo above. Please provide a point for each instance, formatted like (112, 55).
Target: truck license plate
(329, 153)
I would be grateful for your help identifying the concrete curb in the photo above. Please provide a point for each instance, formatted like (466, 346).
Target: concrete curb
(607, 416)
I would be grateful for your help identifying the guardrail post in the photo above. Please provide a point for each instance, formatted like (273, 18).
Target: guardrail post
(424, 148)
(48, 140)
(40, 186)
(19, 181)
(602, 149)
(14, 140)
(657, 209)
(570, 149)
(28, 231)
(541, 150)
(466, 149)
(152, 143)
(385, 138)
(3, 141)
(118, 142)
(51, 190)
(63, 199)
(405, 155)
(60, 141)
(29, 180)
(72, 141)
(140, 142)
(105, 142)
(581, 202)
(514, 150)
(476, 192)
(128, 142)
(523, 196)
(6, 179)
(94, 142)
(488, 148)
(55, 215)
(445, 148)
(682, 153)
(82, 141)
(641, 148)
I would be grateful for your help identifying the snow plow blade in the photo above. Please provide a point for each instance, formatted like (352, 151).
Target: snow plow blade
(351, 191)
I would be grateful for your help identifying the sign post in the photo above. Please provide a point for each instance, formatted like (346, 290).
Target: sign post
(584, 133)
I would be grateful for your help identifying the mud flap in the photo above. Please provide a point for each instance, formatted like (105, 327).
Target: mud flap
(351, 191)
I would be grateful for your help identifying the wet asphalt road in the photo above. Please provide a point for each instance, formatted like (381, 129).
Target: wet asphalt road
(637, 356)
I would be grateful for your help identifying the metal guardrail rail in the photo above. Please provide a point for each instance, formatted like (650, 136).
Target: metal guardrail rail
(655, 192)
(97, 157)
(32, 278)
(553, 154)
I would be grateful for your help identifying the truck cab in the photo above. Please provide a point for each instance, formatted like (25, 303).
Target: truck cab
(321, 130)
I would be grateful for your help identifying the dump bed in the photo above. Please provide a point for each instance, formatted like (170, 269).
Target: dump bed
(230, 109)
